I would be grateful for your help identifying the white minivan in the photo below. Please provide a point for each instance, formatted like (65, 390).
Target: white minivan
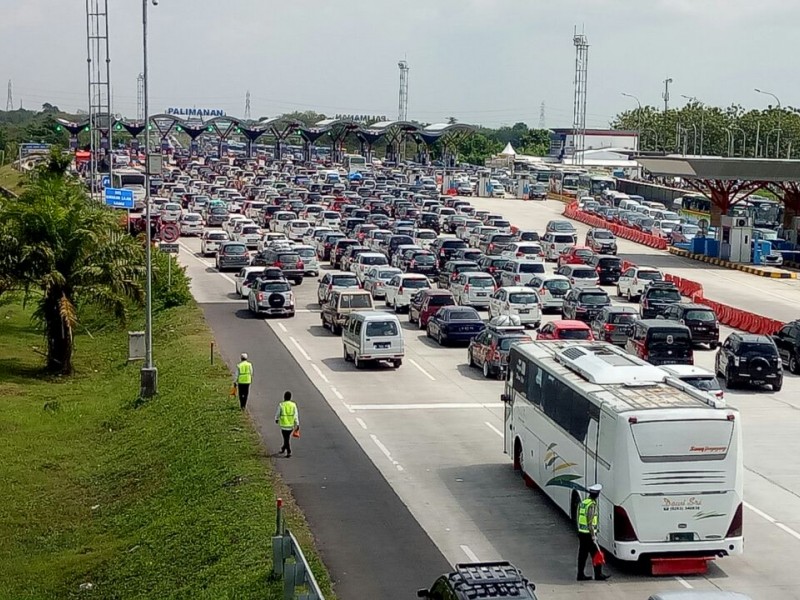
(373, 335)
(554, 244)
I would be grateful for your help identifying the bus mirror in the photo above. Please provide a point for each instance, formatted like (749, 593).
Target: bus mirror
(505, 397)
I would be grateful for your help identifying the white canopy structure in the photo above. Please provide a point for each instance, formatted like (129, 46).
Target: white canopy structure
(508, 150)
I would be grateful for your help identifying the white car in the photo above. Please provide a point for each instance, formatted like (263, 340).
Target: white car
(498, 190)
(211, 240)
(473, 288)
(245, 278)
(376, 279)
(267, 237)
(375, 237)
(170, 212)
(664, 228)
(309, 236)
(697, 377)
(249, 234)
(554, 244)
(633, 280)
(296, 228)
(191, 224)
(402, 287)
(280, 219)
(231, 223)
(580, 276)
(366, 261)
(517, 300)
(520, 271)
(329, 218)
(551, 290)
(479, 233)
(424, 238)
(529, 250)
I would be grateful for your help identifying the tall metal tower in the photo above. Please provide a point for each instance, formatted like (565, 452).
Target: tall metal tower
(542, 119)
(247, 106)
(402, 111)
(10, 99)
(98, 64)
(581, 78)
(140, 97)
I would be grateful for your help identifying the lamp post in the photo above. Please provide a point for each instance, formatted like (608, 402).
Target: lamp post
(694, 100)
(148, 380)
(780, 112)
(638, 120)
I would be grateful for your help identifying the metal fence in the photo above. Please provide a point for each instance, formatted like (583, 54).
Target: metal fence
(290, 564)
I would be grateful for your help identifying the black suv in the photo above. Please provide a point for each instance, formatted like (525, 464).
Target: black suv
(452, 269)
(788, 342)
(444, 248)
(608, 268)
(749, 358)
(429, 220)
(656, 297)
(584, 304)
(700, 319)
(288, 261)
(493, 265)
(614, 324)
(338, 250)
(487, 581)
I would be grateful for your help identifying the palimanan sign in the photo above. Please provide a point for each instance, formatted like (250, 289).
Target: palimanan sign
(196, 112)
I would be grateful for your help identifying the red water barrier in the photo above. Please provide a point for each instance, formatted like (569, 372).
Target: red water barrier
(627, 233)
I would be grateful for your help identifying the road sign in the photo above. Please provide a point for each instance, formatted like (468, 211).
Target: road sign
(105, 182)
(169, 248)
(155, 164)
(170, 233)
(119, 198)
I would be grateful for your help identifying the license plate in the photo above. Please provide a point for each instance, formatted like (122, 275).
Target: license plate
(382, 345)
(465, 328)
(681, 537)
(524, 311)
(480, 294)
(702, 328)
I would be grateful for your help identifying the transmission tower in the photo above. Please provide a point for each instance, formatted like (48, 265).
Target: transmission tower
(402, 112)
(98, 63)
(247, 106)
(542, 120)
(10, 100)
(581, 77)
(140, 97)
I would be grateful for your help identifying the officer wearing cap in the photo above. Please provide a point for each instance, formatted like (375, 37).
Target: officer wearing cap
(587, 534)
(244, 377)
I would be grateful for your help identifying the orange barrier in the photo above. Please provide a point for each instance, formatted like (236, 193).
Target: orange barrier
(627, 233)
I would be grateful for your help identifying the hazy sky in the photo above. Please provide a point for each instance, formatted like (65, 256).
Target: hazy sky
(491, 62)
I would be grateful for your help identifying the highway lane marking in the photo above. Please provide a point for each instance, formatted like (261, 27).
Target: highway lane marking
(421, 370)
(426, 406)
(385, 451)
(281, 325)
(320, 373)
(338, 394)
(773, 520)
(684, 583)
(300, 348)
(469, 553)
(493, 428)
(361, 422)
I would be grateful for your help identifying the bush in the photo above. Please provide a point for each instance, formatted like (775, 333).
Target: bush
(170, 288)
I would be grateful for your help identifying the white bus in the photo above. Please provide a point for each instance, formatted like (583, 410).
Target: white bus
(130, 179)
(354, 163)
(592, 184)
(669, 457)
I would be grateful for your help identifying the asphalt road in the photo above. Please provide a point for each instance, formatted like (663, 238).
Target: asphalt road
(432, 429)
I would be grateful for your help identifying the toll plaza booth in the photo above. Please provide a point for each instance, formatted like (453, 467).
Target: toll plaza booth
(449, 184)
(523, 188)
(484, 184)
(736, 239)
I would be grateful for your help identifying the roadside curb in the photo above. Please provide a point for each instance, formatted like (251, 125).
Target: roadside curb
(729, 265)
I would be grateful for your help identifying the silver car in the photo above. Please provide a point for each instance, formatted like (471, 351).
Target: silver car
(271, 297)
(376, 279)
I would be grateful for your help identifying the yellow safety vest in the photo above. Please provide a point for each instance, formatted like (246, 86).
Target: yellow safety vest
(245, 372)
(583, 519)
(287, 415)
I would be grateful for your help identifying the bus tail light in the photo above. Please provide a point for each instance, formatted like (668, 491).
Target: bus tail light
(517, 278)
(623, 528)
(735, 530)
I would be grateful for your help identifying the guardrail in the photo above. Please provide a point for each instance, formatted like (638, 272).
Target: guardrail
(290, 564)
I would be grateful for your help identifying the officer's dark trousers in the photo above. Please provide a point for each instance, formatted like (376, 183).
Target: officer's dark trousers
(587, 548)
(244, 392)
(287, 436)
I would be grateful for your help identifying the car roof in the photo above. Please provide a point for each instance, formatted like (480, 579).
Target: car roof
(480, 274)
(687, 370)
(699, 595)
(621, 309)
(752, 337)
(374, 315)
(414, 276)
(569, 324)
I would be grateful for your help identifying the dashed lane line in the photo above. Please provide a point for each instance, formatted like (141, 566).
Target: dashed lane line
(320, 373)
(428, 406)
(421, 370)
(470, 554)
(362, 423)
(493, 428)
(300, 348)
(385, 451)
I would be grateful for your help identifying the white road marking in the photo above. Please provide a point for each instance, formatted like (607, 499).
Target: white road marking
(319, 372)
(421, 370)
(282, 326)
(307, 310)
(337, 394)
(385, 451)
(361, 422)
(469, 553)
(300, 348)
(422, 406)
(773, 520)
(684, 583)
(204, 263)
(493, 428)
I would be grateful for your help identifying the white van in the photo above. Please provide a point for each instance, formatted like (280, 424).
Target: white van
(373, 335)
(628, 204)
(554, 244)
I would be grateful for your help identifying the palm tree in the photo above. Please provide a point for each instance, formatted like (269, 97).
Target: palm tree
(65, 252)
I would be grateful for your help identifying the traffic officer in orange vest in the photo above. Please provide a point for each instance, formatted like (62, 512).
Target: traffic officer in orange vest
(288, 420)
(244, 377)
(587, 534)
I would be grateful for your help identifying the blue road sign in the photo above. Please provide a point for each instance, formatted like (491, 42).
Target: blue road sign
(119, 198)
(105, 182)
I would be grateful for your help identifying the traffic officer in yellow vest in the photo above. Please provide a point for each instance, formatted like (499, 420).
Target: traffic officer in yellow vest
(587, 534)
(288, 420)
(244, 377)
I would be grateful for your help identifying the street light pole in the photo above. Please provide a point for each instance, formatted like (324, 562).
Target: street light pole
(638, 120)
(694, 100)
(780, 113)
(149, 374)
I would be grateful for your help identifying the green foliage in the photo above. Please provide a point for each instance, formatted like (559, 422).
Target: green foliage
(488, 142)
(170, 282)
(475, 149)
(19, 126)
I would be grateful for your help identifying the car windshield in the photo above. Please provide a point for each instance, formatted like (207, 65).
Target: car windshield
(529, 236)
(505, 343)
(386, 275)
(307, 252)
(219, 211)
(345, 281)
(672, 295)
(523, 298)
(274, 286)
(583, 252)
(461, 268)
(415, 284)
(464, 315)
(217, 236)
(481, 282)
(381, 329)
(191, 217)
(235, 249)
(424, 259)
(603, 235)
(529, 250)
(562, 226)
(557, 285)
(584, 273)
(690, 229)
(426, 235)
(649, 275)
(624, 318)
(441, 300)
(374, 260)
(251, 229)
(594, 299)
(563, 239)
(609, 262)
(707, 316)
(531, 268)
(574, 334)
(706, 383)
(758, 348)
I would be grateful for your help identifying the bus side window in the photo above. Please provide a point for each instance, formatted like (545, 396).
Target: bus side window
(534, 390)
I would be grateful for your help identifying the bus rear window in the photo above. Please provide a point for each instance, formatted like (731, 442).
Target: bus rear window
(678, 441)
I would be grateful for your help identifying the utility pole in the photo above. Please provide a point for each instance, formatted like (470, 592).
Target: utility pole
(665, 96)
(10, 100)
(402, 109)
(542, 120)
(247, 106)
(581, 44)
(140, 97)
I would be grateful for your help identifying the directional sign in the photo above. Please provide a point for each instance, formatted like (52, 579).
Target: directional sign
(105, 182)
(119, 198)
(170, 233)
(169, 248)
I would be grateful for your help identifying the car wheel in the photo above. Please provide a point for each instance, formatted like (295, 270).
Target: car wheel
(776, 387)
(298, 281)
(730, 380)
(345, 354)
(471, 359)
(419, 322)
(440, 339)
(428, 333)
(398, 363)
(337, 330)
(793, 364)
(487, 372)
(359, 364)
(386, 301)
(394, 306)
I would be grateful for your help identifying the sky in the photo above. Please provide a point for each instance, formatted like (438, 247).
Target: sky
(486, 62)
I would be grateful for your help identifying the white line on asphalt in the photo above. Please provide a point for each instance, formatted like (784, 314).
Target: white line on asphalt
(300, 348)
(773, 520)
(493, 428)
(385, 451)
(281, 325)
(470, 554)
(684, 583)
(306, 310)
(426, 406)
(423, 371)
(337, 393)
(319, 372)
(361, 422)
(204, 263)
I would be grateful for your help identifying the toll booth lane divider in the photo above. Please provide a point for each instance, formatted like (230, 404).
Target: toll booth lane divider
(627, 233)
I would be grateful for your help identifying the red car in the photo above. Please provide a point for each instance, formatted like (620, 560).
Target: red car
(577, 255)
(565, 330)
(425, 303)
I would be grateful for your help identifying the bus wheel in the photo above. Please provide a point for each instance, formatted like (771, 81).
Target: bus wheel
(518, 456)
(574, 502)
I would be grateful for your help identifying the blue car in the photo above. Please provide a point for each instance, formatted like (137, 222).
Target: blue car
(454, 324)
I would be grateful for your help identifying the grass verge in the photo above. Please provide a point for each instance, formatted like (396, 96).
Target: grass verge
(172, 498)
(11, 179)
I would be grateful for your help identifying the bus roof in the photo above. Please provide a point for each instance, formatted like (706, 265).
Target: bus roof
(612, 378)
